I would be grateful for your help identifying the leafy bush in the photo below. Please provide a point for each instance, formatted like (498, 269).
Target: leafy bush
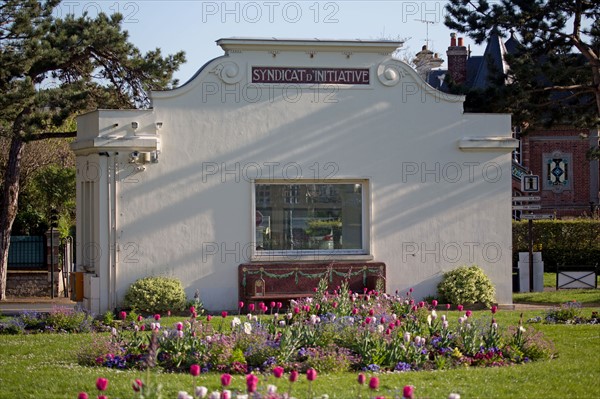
(156, 295)
(466, 285)
(67, 320)
(563, 242)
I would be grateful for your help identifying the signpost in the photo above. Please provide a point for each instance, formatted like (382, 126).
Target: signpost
(530, 184)
(531, 217)
(526, 208)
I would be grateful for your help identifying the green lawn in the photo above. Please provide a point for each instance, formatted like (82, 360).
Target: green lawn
(584, 296)
(45, 366)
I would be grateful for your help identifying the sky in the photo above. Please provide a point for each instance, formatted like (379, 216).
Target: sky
(194, 25)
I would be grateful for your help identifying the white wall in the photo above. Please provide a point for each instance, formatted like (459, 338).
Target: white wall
(198, 196)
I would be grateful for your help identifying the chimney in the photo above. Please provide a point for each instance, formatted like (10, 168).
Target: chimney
(425, 60)
(457, 59)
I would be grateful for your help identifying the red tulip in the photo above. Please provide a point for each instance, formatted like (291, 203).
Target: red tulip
(224, 314)
(278, 371)
(102, 397)
(361, 378)
(157, 317)
(293, 376)
(408, 392)
(311, 374)
(368, 320)
(251, 307)
(468, 313)
(195, 370)
(371, 312)
(374, 383)
(101, 384)
(494, 309)
(225, 380)
(137, 385)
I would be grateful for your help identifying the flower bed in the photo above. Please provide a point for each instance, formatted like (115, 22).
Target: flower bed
(336, 330)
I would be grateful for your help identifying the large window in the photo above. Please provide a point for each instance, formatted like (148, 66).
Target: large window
(309, 217)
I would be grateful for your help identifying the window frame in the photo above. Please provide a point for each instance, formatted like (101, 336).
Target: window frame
(363, 253)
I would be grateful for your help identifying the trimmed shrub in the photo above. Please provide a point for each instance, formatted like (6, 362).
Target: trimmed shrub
(562, 242)
(466, 285)
(156, 295)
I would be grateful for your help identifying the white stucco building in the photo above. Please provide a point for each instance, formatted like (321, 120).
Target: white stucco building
(292, 151)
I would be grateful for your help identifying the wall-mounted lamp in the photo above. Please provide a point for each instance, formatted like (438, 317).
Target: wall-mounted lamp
(134, 125)
(134, 157)
(159, 125)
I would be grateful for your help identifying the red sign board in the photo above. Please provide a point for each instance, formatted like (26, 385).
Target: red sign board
(349, 76)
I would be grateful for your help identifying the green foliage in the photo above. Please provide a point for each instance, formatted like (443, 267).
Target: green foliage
(67, 320)
(563, 242)
(156, 295)
(466, 285)
(558, 49)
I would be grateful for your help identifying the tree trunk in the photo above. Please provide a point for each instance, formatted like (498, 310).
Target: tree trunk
(8, 211)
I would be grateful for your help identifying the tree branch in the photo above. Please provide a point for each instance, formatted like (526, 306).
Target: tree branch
(53, 135)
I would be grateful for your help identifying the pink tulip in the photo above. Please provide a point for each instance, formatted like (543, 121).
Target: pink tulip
(371, 312)
(434, 303)
(361, 378)
(225, 380)
(251, 383)
(273, 304)
(311, 374)
(460, 308)
(224, 314)
(192, 309)
(278, 371)
(123, 315)
(140, 318)
(448, 306)
(279, 305)
(374, 383)
(102, 397)
(241, 304)
(468, 313)
(82, 395)
(208, 317)
(251, 307)
(157, 317)
(293, 376)
(368, 320)
(179, 326)
(334, 305)
(195, 370)
(408, 392)
(494, 309)
(168, 313)
(101, 384)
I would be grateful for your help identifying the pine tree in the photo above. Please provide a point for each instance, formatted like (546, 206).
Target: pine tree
(90, 64)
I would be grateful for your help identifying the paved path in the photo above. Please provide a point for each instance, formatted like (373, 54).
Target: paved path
(17, 305)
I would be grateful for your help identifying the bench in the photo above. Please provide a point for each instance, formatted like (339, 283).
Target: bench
(576, 276)
(259, 282)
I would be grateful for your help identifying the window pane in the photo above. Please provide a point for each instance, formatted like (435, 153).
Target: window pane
(309, 216)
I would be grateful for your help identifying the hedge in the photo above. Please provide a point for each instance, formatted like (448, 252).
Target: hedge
(562, 242)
